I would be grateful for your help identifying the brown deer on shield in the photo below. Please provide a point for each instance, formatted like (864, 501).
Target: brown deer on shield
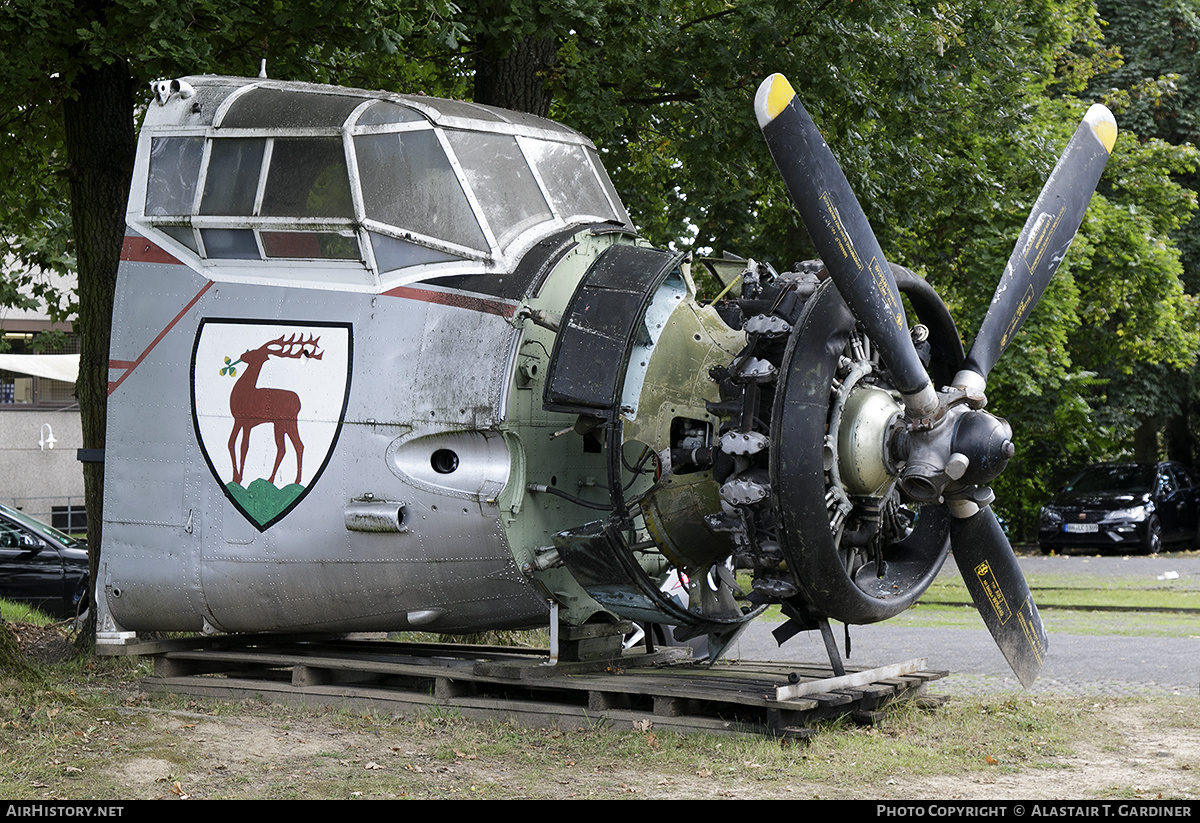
(252, 406)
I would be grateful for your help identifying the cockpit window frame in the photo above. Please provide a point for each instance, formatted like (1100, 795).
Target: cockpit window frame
(188, 236)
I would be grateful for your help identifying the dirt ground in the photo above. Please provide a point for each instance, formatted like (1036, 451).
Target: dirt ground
(152, 747)
(251, 755)
(1144, 758)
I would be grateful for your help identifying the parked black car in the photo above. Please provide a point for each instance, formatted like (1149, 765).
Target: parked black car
(41, 566)
(1130, 507)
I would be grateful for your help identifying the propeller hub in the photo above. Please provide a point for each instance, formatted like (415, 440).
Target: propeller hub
(986, 441)
(969, 447)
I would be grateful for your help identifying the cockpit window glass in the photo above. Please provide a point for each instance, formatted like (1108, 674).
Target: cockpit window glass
(458, 108)
(567, 172)
(536, 122)
(407, 182)
(606, 181)
(383, 112)
(275, 108)
(308, 178)
(302, 173)
(501, 180)
(232, 180)
(181, 234)
(392, 254)
(174, 170)
(230, 244)
(326, 245)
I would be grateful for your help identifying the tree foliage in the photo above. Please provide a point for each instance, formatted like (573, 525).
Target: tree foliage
(947, 117)
(1155, 89)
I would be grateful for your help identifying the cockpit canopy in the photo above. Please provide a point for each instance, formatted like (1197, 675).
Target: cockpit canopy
(248, 177)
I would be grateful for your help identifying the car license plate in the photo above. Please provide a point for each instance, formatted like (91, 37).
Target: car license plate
(1081, 528)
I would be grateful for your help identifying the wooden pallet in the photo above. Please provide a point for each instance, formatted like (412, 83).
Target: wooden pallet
(665, 689)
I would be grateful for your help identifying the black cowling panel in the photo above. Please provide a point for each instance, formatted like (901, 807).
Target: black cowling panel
(598, 329)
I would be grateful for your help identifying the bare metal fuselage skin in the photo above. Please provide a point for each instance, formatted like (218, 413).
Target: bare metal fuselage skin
(182, 555)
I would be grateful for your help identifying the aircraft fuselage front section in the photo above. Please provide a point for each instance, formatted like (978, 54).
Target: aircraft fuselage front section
(386, 363)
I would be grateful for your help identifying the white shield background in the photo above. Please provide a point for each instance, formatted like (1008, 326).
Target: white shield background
(320, 384)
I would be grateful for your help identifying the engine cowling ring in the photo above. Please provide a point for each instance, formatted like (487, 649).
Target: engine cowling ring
(800, 480)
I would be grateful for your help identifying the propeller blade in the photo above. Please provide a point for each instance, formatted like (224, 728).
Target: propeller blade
(989, 568)
(842, 235)
(1043, 243)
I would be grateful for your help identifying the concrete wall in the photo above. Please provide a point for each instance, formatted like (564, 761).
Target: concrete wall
(35, 479)
(31, 478)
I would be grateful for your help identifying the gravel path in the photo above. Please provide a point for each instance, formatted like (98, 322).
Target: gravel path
(1079, 664)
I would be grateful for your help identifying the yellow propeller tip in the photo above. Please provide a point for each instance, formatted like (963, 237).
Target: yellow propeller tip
(1103, 125)
(773, 97)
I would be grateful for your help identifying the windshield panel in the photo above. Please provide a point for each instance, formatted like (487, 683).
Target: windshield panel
(174, 171)
(502, 182)
(37, 525)
(567, 172)
(308, 178)
(232, 180)
(606, 181)
(1131, 478)
(407, 182)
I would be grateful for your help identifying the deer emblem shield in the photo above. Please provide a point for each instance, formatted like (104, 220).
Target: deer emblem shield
(268, 401)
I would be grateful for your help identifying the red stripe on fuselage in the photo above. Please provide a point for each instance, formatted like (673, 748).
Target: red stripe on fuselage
(141, 250)
(461, 301)
(130, 366)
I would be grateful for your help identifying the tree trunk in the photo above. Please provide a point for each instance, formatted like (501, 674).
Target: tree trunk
(1145, 441)
(100, 142)
(1181, 445)
(513, 75)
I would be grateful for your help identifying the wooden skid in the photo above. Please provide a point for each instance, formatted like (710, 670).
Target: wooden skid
(665, 689)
